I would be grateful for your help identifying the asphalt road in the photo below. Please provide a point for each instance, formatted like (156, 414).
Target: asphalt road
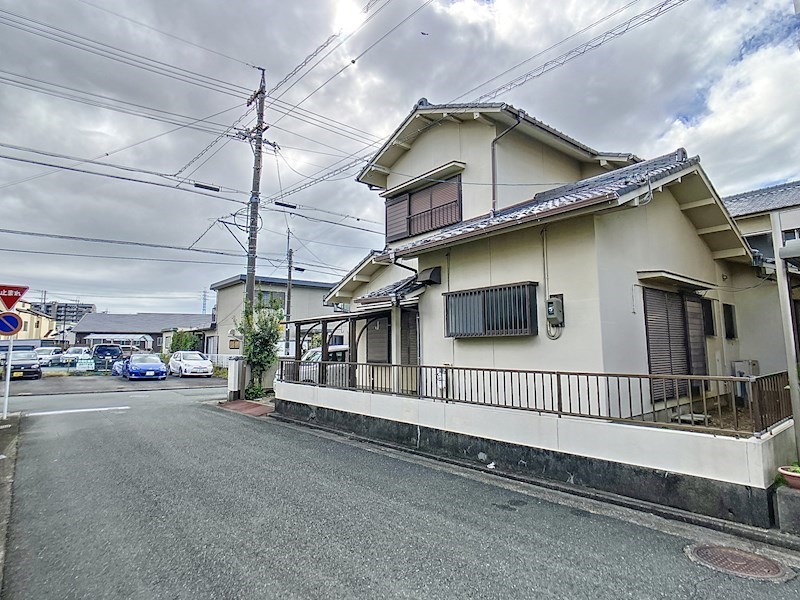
(175, 498)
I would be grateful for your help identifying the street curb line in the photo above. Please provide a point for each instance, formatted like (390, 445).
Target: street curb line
(167, 389)
(8, 471)
(755, 534)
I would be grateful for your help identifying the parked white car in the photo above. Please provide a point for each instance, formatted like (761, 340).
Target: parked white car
(335, 374)
(190, 363)
(49, 355)
(75, 354)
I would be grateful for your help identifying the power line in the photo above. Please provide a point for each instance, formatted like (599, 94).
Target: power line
(269, 261)
(118, 177)
(115, 151)
(619, 30)
(103, 256)
(353, 61)
(367, 7)
(162, 68)
(104, 101)
(115, 166)
(552, 47)
(318, 220)
(61, 36)
(77, 238)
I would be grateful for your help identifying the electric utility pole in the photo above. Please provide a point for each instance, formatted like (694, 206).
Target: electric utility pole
(257, 139)
(288, 290)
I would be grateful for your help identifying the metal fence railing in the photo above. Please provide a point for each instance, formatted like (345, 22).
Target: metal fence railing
(717, 404)
(772, 400)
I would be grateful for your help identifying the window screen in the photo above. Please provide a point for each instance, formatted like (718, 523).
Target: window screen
(497, 311)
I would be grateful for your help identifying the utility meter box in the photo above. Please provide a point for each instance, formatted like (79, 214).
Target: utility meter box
(555, 311)
(236, 377)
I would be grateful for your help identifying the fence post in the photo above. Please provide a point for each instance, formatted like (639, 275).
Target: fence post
(558, 393)
(754, 393)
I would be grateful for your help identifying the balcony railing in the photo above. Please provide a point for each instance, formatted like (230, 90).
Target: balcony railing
(721, 405)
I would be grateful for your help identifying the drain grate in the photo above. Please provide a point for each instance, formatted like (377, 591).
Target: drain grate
(738, 562)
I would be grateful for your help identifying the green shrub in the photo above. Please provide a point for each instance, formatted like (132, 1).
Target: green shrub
(254, 392)
(261, 330)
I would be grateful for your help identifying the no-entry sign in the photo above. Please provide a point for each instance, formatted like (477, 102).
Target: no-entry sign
(10, 294)
(10, 323)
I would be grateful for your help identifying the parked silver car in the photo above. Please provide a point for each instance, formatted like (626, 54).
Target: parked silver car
(310, 368)
(49, 355)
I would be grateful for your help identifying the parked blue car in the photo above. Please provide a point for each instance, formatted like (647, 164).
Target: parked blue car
(144, 366)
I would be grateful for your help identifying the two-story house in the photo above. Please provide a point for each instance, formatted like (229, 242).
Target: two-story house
(306, 301)
(584, 313)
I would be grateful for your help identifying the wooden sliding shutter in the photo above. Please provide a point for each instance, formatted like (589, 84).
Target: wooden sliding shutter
(665, 324)
(397, 218)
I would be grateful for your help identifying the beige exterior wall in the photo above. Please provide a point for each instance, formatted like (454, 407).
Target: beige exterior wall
(654, 237)
(514, 258)
(306, 302)
(34, 325)
(466, 142)
(594, 262)
(526, 167)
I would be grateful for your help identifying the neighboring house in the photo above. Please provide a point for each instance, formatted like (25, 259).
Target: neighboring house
(754, 210)
(36, 325)
(143, 330)
(536, 293)
(307, 301)
(754, 213)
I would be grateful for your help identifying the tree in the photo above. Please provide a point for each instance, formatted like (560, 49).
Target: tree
(261, 329)
(185, 340)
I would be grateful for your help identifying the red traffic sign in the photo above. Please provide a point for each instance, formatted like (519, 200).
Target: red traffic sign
(10, 294)
(10, 323)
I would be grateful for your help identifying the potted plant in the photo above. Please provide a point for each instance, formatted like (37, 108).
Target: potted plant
(791, 475)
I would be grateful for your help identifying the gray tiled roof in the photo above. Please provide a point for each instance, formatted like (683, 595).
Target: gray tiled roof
(140, 322)
(397, 289)
(776, 197)
(607, 186)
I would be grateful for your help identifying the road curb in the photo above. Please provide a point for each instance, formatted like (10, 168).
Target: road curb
(764, 536)
(158, 389)
(9, 437)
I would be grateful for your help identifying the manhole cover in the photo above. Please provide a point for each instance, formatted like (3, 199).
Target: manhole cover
(738, 562)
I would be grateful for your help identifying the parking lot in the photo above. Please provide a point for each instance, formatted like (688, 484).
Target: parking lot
(53, 383)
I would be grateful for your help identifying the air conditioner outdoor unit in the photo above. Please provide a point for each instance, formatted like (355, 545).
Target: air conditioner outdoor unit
(745, 368)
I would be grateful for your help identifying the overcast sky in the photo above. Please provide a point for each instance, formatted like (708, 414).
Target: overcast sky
(718, 77)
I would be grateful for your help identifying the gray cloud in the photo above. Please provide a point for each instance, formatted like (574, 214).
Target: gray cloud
(694, 77)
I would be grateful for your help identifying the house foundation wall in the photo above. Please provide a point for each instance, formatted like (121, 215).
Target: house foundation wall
(724, 477)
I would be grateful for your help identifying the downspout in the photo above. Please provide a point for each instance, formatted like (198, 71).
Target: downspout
(393, 259)
(520, 116)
